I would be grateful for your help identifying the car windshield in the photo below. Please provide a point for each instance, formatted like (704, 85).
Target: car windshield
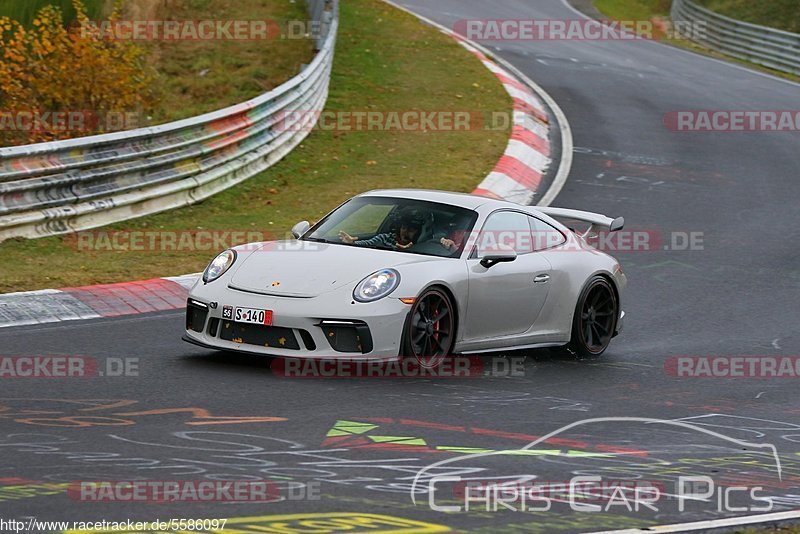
(397, 224)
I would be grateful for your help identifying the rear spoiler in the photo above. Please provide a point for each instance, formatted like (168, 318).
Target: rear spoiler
(597, 221)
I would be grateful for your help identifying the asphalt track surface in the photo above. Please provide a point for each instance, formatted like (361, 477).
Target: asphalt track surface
(737, 296)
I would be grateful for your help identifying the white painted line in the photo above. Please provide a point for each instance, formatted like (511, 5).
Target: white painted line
(466, 45)
(492, 66)
(708, 525)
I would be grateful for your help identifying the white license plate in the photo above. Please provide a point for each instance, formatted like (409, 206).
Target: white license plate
(253, 316)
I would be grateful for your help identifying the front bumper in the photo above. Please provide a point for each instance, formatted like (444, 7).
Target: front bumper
(620, 323)
(330, 326)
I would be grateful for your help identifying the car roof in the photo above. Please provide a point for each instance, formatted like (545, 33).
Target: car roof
(462, 200)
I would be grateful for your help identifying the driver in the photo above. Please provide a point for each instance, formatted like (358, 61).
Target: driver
(403, 239)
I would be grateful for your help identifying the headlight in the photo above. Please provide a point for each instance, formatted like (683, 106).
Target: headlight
(219, 266)
(377, 285)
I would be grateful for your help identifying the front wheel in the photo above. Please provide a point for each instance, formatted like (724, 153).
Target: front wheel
(430, 331)
(595, 319)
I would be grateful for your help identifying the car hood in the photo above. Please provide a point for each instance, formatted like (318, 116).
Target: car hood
(283, 269)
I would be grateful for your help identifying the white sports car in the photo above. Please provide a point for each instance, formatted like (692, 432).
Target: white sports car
(411, 273)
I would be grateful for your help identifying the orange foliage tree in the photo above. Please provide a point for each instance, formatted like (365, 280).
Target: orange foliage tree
(59, 82)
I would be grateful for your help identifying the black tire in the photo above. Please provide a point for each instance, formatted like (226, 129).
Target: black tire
(595, 319)
(430, 330)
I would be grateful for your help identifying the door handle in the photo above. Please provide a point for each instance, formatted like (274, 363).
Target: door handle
(541, 279)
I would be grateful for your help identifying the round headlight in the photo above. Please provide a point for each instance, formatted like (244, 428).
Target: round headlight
(219, 266)
(377, 285)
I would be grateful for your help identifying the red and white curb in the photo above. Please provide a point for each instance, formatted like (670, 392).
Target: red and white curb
(517, 178)
(93, 302)
(518, 175)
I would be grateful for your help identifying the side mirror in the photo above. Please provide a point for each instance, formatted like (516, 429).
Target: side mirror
(300, 229)
(501, 255)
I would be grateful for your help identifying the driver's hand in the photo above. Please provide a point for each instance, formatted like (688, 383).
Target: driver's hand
(449, 244)
(405, 247)
(346, 238)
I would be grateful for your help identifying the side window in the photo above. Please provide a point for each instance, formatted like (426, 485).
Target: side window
(545, 236)
(509, 228)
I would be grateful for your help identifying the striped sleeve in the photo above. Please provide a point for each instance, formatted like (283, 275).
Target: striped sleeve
(382, 240)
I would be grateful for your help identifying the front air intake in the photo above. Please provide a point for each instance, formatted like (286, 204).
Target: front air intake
(347, 336)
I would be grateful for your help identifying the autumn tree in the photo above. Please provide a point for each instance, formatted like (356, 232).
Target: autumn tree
(60, 81)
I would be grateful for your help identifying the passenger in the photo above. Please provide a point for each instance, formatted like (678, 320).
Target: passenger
(402, 239)
(452, 238)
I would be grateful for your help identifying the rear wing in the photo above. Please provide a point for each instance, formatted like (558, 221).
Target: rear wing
(598, 222)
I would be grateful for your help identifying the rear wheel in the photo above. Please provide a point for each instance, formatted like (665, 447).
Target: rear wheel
(430, 330)
(595, 319)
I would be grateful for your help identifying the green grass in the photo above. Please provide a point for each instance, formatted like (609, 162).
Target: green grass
(196, 77)
(781, 14)
(24, 10)
(385, 60)
(629, 10)
(633, 9)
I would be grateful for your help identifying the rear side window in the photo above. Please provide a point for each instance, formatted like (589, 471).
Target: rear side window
(544, 236)
(508, 228)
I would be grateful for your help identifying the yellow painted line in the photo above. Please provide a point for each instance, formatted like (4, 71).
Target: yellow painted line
(531, 452)
(27, 491)
(398, 439)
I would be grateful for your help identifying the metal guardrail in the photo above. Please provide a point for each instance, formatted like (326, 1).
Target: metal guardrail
(65, 186)
(776, 49)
